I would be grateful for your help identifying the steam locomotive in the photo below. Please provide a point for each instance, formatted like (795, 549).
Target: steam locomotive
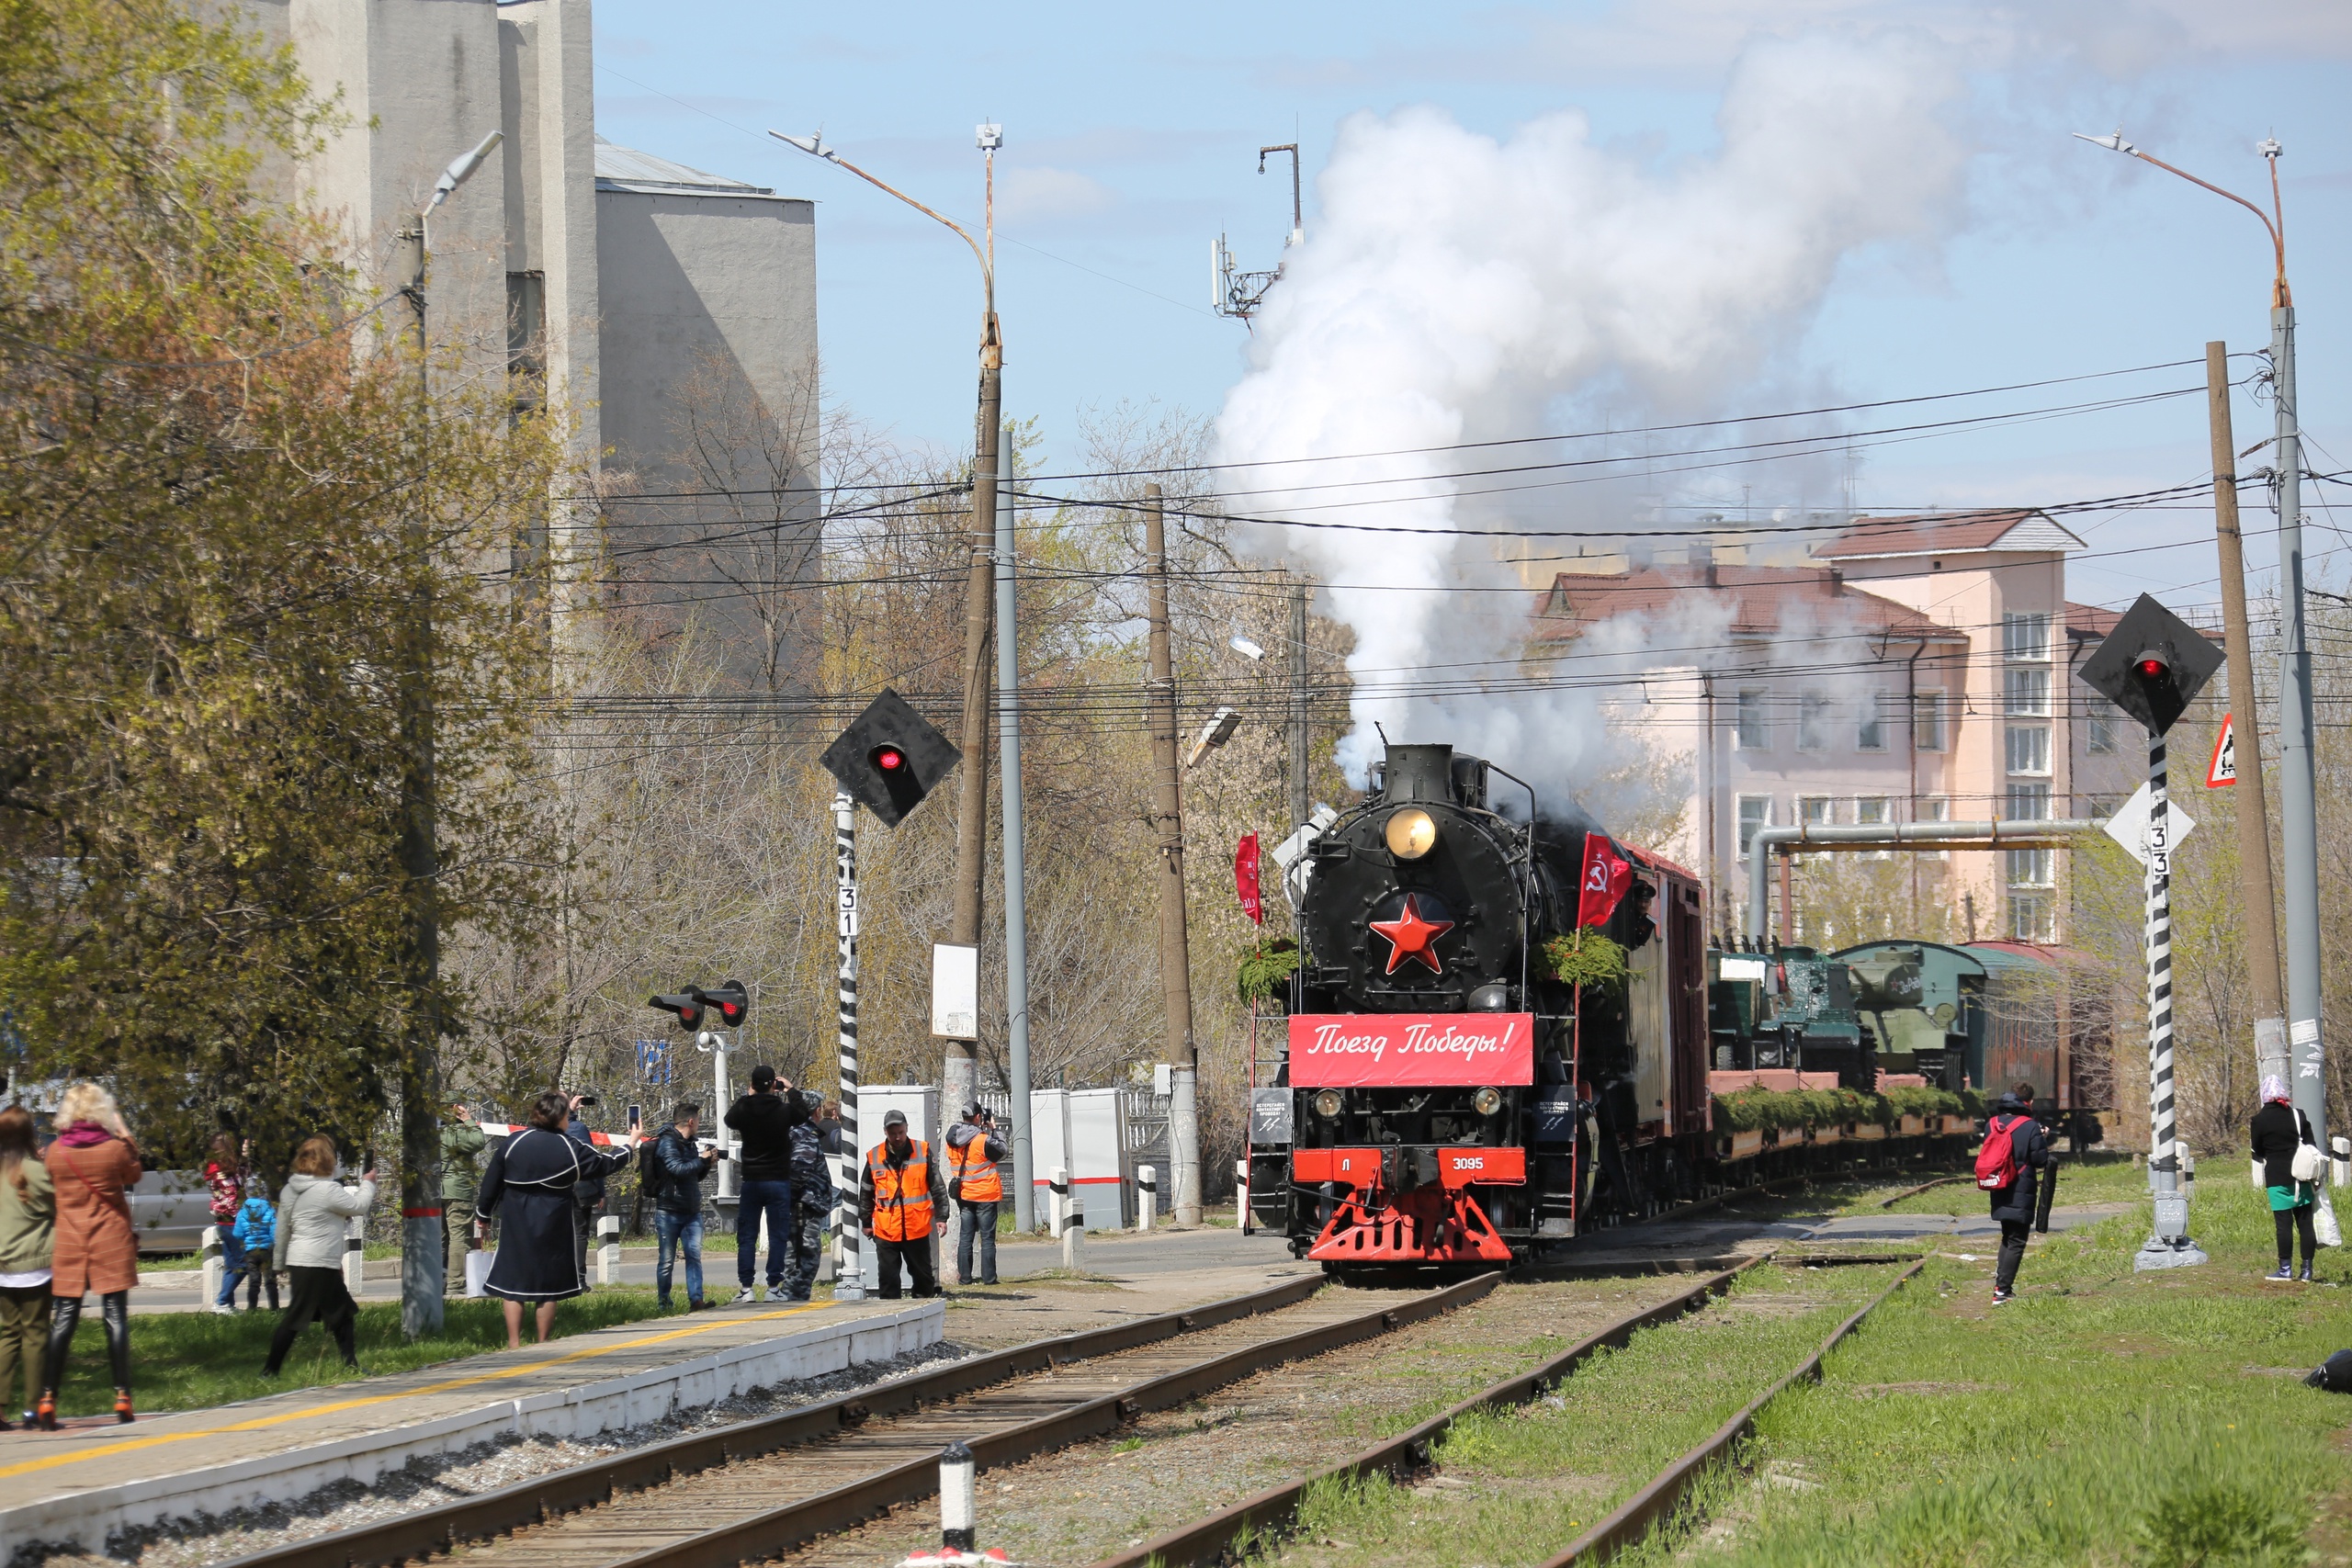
(1457, 1087)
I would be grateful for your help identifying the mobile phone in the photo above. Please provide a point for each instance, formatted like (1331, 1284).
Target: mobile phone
(637, 1116)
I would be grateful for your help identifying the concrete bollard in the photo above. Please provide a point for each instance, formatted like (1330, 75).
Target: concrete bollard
(2189, 1173)
(1057, 1204)
(958, 1529)
(1242, 1195)
(609, 1250)
(478, 1270)
(215, 1265)
(1074, 1242)
(354, 1255)
(2341, 1175)
(1146, 1196)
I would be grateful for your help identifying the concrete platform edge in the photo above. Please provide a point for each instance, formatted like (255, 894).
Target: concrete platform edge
(86, 1518)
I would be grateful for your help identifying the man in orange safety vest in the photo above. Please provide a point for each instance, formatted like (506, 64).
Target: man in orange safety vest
(978, 1186)
(895, 1201)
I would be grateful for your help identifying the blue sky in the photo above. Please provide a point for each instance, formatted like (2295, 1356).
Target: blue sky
(1132, 136)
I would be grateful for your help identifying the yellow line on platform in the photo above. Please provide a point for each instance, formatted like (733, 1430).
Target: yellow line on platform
(521, 1368)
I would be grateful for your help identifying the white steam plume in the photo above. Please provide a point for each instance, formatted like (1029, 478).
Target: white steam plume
(1456, 288)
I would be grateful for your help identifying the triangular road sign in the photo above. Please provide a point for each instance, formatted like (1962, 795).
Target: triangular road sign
(2223, 770)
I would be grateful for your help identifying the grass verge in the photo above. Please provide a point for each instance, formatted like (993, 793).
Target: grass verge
(190, 1360)
(1516, 1487)
(2104, 1418)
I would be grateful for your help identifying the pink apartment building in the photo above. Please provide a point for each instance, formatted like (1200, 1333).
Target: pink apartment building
(1918, 669)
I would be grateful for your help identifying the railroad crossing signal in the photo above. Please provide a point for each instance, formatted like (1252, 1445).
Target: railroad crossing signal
(890, 758)
(2152, 665)
(687, 1004)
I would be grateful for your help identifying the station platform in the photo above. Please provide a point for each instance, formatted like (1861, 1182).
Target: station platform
(78, 1486)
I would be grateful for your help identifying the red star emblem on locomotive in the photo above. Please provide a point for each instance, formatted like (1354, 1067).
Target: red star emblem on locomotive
(1411, 935)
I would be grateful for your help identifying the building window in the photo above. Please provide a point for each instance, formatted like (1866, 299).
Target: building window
(1754, 812)
(1870, 811)
(2025, 639)
(1927, 720)
(1813, 722)
(2028, 803)
(2033, 917)
(1816, 811)
(1754, 733)
(2102, 807)
(2102, 720)
(2025, 690)
(527, 339)
(2029, 746)
(1932, 808)
(1871, 735)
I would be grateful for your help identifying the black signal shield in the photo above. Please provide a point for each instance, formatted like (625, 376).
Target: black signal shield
(2188, 656)
(889, 722)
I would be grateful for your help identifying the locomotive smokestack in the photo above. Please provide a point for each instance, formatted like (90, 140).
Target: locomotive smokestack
(1418, 773)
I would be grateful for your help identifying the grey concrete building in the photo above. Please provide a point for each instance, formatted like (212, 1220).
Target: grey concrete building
(668, 314)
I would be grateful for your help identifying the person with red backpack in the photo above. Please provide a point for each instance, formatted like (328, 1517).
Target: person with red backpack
(2015, 1148)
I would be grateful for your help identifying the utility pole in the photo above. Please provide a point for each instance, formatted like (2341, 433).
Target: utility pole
(2298, 786)
(1300, 802)
(960, 1074)
(1016, 903)
(422, 1230)
(2251, 810)
(960, 1079)
(1168, 824)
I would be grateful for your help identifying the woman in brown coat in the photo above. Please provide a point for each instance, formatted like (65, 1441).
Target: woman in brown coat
(93, 1164)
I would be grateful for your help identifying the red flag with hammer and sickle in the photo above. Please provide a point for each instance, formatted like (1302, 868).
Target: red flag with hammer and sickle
(1244, 879)
(1607, 875)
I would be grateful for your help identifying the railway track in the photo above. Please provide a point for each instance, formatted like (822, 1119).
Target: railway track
(751, 1491)
(1272, 1514)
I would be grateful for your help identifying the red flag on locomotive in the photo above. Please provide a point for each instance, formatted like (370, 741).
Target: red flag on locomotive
(1607, 874)
(1244, 879)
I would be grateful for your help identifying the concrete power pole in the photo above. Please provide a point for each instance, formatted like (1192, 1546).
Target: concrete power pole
(2253, 814)
(1168, 823)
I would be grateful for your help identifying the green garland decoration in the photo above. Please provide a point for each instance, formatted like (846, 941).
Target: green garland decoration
(1586, 958)
(1266, 970)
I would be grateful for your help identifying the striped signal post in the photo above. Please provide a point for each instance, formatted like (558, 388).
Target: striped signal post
(2169, 1247)
(847, 1286)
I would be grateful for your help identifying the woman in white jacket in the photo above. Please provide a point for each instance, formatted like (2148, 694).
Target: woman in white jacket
(312, 1216)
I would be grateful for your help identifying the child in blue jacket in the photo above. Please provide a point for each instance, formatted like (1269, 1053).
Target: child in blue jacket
(257, 1228)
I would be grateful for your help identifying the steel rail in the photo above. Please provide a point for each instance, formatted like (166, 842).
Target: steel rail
(1273, 1511)
(777, 1530)
(1924, 1186)
(540, 1497)
(1632, 1518)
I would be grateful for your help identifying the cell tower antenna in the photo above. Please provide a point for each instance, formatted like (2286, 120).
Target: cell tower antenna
(1233, 292)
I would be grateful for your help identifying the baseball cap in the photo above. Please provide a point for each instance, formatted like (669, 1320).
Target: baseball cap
(763, 1076)
(974, 1109)
(893, 1119)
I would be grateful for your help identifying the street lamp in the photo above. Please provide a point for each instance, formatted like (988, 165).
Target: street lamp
(421, 1218)
(2297, 792)
(961, 1079)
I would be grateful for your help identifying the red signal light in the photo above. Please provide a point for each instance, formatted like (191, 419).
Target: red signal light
(890, 760)
(2150, 667)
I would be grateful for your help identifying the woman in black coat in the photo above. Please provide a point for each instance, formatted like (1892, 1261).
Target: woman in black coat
(528, 1188)
(2278, 1130)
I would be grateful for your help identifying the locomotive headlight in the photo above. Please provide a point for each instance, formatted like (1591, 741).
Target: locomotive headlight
(1487, 1101)
(1410, 833)
(1327, 1104)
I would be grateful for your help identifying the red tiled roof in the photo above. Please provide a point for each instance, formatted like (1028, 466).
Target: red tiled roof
(1954, 533)
(1760, 597)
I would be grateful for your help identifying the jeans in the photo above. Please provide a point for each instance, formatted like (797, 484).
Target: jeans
(2013, 1235)
(977, 1219)
(772, 1200)
(677, 1233)
(232, 1268)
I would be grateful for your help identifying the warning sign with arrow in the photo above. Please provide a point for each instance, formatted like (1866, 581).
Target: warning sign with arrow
(2223, 770)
